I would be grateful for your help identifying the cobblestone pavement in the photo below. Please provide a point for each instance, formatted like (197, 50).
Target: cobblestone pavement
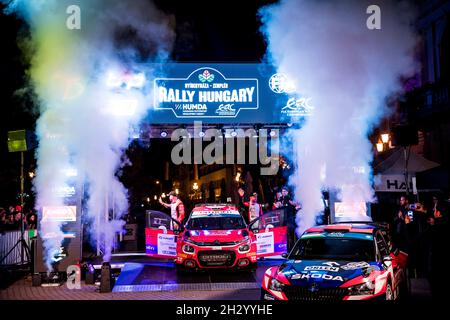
(23, 290)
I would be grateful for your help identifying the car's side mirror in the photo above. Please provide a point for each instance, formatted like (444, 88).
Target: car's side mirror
(285, 255)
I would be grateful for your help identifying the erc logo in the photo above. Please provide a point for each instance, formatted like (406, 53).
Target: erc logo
(206, 76)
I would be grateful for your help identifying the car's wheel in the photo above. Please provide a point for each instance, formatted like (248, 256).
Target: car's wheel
(263, 292)
(389, 295)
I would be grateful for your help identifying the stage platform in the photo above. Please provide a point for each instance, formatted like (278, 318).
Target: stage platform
(141, 273)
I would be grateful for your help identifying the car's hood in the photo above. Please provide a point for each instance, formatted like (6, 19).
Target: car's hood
(216, 235)
(325, 273)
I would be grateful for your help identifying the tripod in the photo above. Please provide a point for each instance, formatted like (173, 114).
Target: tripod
(24, 249)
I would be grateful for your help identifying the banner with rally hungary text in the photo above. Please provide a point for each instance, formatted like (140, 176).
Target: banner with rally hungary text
(223, 94)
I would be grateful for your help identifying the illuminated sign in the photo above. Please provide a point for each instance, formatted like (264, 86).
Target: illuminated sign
(343, 209)
(59, 213)
(223, 93)
(206, 93)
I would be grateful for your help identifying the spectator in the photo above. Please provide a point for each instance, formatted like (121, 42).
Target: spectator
(277, 201)
(31, 219)
(243, 204)
(290, 212)
(2, 219)
(176, 209)
(439, 230)
(10, 223)
(399, 230)
(254, 208)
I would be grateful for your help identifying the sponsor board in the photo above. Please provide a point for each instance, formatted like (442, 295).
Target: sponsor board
(167, 245)
(355, 265)
(59, 213)
(206, 93)
(321, 268)
(160, 243)
(224, 93)
(265, 243)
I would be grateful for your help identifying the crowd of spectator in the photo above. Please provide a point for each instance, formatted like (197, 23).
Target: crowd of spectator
(14, 217)
(422, 231)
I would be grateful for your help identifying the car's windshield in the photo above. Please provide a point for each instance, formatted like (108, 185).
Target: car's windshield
(333, 249)
(216, 223)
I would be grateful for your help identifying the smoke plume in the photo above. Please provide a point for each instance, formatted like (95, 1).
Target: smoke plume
(348, 71)
(91, 90)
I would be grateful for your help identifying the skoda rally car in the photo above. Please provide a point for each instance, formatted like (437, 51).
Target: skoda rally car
(339, 262)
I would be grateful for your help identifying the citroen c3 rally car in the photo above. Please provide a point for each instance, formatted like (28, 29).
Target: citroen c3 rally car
(215, 236)
(339, 262)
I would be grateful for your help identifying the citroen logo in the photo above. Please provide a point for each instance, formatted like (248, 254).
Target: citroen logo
(216, 242)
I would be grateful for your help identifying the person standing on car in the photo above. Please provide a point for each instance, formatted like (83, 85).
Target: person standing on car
(176, 209)
(254, 208)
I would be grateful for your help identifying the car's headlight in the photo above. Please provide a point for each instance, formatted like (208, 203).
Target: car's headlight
(244, 248)
(188, 249)
(365, 288)
(276, 285)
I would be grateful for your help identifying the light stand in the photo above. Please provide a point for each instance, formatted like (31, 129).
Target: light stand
(406, 153)
(24, 249)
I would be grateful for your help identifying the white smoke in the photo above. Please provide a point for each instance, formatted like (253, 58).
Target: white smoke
(87, 105)
(327, 51)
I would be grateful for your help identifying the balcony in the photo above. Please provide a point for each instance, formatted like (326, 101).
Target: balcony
(429, 100)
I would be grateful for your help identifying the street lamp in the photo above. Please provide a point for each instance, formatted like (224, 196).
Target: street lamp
(385, 137)
(380, 147)
(384, 142)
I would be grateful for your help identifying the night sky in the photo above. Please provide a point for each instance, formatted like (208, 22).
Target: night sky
(204, 32)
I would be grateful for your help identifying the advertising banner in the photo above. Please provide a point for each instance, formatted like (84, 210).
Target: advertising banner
(59, 213)
(272, 242)
(160, 243)
(392, 183)
(224, 93)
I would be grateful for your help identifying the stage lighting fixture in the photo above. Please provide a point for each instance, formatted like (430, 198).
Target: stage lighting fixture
(273, 133)
(201, 134)
(163, 134)
(233, 133)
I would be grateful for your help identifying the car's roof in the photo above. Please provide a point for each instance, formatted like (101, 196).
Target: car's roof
(347, 230)
(208, 210)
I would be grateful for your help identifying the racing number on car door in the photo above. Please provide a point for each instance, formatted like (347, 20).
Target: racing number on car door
(270, 233)
(160, 238)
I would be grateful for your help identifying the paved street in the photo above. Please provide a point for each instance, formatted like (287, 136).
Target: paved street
(23, 290)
